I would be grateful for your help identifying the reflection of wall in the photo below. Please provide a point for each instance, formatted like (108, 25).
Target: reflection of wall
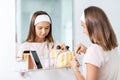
(66, 25)
(18, 21)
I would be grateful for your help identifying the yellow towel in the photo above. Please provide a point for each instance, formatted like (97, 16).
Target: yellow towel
(63, 59)
(54, 53)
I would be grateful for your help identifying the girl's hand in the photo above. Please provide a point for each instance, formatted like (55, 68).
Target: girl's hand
(75, 64)
(80, 48)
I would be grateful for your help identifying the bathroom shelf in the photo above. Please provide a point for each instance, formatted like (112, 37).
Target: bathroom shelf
(30, 70)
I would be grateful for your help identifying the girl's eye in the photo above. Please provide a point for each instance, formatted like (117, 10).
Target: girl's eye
(39, 28)
(46, 28)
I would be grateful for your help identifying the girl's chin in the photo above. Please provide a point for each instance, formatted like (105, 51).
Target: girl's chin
(42, 37)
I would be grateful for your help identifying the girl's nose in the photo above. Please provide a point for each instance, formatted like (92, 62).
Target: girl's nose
(43, 31)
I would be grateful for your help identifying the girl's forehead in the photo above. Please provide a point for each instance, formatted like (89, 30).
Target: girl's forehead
(43, 23)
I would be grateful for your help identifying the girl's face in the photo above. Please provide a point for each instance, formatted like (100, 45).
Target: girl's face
(84, 28)
(42, 29)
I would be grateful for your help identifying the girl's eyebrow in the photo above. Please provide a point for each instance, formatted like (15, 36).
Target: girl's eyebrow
(42, 26)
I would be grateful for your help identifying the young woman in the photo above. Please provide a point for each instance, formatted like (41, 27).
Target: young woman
(40, 35)
(101, 59)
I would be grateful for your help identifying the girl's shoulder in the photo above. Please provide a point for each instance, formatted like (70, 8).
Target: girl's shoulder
(25, 43)
(95, 50)
(94, 55)
(95, 47)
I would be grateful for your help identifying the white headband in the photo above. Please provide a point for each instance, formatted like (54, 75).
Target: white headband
(41, 18)
(82, 18)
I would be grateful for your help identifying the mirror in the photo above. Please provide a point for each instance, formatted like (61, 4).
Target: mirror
(60, 12)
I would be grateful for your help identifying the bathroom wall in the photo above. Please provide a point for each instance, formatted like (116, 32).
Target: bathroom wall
(7, 40)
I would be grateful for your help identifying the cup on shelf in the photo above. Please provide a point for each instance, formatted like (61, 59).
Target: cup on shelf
(45, 63)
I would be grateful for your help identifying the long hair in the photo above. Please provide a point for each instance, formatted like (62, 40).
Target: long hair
(32, 34)
(99, 28)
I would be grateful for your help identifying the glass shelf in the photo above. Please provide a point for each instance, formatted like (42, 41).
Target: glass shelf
(23, 67)
(30, 70)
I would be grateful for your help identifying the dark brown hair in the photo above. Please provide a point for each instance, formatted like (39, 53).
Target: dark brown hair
(99, 28)
(32, 35)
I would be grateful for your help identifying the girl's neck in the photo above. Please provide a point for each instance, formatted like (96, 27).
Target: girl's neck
(39, 40)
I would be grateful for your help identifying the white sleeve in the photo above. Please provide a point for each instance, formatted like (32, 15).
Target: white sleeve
(94, 56)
